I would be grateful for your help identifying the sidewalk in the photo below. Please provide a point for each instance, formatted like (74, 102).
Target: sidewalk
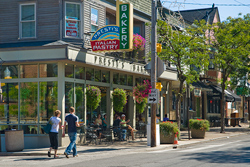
(138, 144)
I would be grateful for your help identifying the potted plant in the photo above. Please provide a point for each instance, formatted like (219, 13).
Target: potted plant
(119, 99)
(138, 44)
(168, 130)
(198, 127)
(140, 92)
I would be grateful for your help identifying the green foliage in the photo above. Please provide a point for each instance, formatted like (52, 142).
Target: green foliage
(141, 106)
(199, 124)
(169, 128)
(93, 95)
(119, 99)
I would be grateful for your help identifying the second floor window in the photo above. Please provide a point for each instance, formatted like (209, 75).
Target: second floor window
(94, 20)
(72, 20)
(27, 20)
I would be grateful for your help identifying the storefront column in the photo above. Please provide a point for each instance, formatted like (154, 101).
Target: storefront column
(132, 111)
(110, 112)
(162, 103)
(61, 95)
(85, 105)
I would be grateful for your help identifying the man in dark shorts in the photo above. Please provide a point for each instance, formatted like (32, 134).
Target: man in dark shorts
(72, 121)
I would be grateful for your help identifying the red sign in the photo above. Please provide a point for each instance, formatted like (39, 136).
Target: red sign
(105, 45)
(71, 28)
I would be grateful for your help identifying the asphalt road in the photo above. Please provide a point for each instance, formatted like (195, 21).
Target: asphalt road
(228, 152)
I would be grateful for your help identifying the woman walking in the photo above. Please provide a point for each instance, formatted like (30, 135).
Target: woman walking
(53, 134)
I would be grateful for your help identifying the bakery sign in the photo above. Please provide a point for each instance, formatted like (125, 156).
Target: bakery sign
(116, 37)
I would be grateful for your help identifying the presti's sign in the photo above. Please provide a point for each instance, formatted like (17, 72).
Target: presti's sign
(116, 37)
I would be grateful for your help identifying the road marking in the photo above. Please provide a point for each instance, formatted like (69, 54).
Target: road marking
(212, 146)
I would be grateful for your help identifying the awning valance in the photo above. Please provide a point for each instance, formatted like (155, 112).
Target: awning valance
(229, 95)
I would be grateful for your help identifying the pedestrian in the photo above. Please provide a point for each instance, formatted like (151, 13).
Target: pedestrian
(53, 134)
(73, 122)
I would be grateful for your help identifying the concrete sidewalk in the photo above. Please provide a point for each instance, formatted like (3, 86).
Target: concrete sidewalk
(140, 144)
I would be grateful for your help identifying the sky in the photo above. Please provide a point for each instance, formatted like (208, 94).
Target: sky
(226, 7)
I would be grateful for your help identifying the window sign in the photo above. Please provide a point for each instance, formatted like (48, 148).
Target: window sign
(94, 17)
(72, 20)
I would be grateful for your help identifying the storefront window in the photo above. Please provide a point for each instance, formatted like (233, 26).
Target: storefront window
(47, 100)
(79, 72)
(69, 70)
(116, 78)
(130, 80)
(30, 129)
(7, 127)
(28, 102)
(98, 75)
(9, 104)
(48, 70)
(79, 95)
(138, 80)
(13, 71)
(69, 96)
(90, 74)
(123, 79)
(29, 71)
(105, 76)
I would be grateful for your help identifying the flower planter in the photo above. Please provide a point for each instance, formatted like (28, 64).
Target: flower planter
(167, 139)
(14, 140)
(198, 133)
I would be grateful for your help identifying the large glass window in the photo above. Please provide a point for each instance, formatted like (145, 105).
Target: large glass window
(90, 74)
(10, 72)
(28, 102)
(130, 80)
(69, 96)
(79, 105)
(48, 70)
(116, 79)
(47, 100)
(28, 20)
(9, 103)
(123, 79)
(69, 70)
(98, 75)
(79, 72)
(105, 76)
(28, 71)
(72, 20)
(94, 20)
(137, 30)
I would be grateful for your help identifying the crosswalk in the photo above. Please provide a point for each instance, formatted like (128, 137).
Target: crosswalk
(202, 148)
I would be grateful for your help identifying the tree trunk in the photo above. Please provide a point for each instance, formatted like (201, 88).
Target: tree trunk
(178, 118)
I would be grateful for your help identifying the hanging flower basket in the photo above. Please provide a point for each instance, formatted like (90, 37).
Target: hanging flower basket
(93, 95)
(138, 43)
(119, 99)
(140, 92)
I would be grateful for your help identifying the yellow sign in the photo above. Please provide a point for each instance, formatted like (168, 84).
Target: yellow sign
(158, 85)
(158, 47)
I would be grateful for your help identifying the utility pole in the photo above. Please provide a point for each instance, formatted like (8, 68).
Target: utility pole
(153, 71)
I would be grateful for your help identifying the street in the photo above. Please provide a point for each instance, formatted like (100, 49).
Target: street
(232, 151)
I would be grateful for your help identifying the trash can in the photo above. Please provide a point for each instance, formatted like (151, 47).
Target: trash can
(234, 119)
(14, 140)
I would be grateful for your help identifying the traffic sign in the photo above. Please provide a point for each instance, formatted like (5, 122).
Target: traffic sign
(153, 97)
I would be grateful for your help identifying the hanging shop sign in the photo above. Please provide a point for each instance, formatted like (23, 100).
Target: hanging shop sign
(197, 92)
(116, 37)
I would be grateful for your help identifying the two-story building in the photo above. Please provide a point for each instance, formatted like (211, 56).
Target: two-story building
(47, 63)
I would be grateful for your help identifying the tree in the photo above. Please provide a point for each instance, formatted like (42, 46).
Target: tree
(187, 50)
(231, 41)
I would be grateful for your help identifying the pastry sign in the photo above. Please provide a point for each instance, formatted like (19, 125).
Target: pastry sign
(116, 37)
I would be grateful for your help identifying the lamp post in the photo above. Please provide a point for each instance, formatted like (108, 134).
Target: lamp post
(7, 76)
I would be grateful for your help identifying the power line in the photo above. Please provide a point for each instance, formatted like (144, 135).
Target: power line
(207, 4)
(241, 3)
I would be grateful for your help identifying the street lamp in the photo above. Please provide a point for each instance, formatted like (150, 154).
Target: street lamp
(7, 76)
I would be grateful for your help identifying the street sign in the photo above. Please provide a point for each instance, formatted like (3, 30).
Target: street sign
(153, 97)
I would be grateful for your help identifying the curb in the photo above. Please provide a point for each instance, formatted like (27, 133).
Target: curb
(44, 153)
